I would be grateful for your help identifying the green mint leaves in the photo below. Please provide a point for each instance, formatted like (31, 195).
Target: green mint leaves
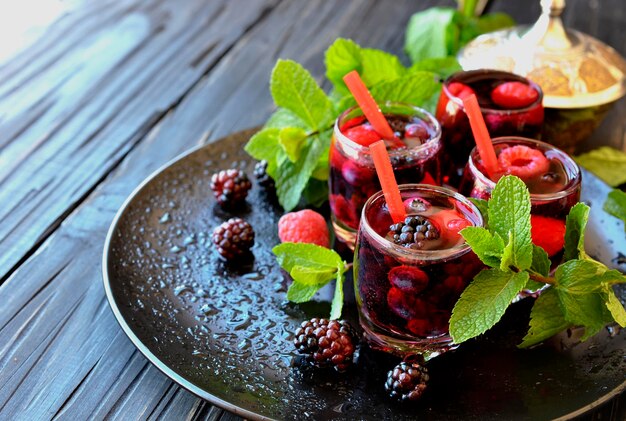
(296, 139)
(607, 163)
(581, 290)
(442, 31)
(312, 267)
(615, 205)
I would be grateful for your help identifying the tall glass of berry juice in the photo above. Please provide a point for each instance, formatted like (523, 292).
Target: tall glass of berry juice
(511, 106)
(409, 275)
(414, 153)
(552, 177)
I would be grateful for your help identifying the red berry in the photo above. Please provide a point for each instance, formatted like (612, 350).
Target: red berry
(343, 210)
(547, 233)
(460, 90)
(355, 174)
(364, 134)
(419, 327)
(523, 162)
(449, 222)
(514, 95)
(408, 279)
(455, 284)
(417, 131)
(305, 226)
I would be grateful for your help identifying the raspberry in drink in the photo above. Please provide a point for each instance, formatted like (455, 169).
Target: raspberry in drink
(414, 153)
(510, 104)
(552, 177)
(409, 275)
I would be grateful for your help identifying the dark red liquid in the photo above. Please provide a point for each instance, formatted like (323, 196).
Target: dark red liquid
(353, 179)
(412, 298)
(457, 137)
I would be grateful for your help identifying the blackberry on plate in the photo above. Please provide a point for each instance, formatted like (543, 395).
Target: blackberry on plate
(261, 175)
(233, 238)
(230, 186)
(413, 232)
(328, 343)
(407, 382)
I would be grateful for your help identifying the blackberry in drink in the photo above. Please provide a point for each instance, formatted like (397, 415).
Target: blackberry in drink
(552, 177)
(511, 106)
(414, 153)
(409, 275)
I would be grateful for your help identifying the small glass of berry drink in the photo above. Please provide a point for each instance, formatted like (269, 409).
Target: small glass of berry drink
(414, 153)
(409, 275)
(552, 177)
(511, 106)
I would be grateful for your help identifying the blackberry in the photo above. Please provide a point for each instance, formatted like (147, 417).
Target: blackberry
(413, 232)
(327, 342)
(230, 186)
(261, 175)
(233, 238)
(407, 382)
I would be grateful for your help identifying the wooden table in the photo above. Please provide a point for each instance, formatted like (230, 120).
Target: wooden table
(96, 96)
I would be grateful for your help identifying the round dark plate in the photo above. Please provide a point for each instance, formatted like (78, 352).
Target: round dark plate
(223, 331)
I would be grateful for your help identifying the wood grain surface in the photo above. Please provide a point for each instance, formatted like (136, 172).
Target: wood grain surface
(110, 91)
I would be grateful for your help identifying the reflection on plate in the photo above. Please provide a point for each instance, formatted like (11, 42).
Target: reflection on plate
(223, 331)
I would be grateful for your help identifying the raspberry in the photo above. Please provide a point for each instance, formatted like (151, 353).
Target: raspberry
(261, 175)
(407, 382)
(344, 211)
(327, 343)
(514, 95)
(413, 232)
(355, 174)
(305, 226)
(547, 233)
(364, 134)
(417, 131)
(233, 238)
(230, 186)
(408, 279)
(523, 161)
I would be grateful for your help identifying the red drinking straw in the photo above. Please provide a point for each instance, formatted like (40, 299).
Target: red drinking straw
(368, 105)
(481, 135)
(388, 181)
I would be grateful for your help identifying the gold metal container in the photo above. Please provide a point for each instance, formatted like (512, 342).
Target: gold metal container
(581, 77)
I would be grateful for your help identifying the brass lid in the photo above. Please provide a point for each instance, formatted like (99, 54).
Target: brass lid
(573, 69)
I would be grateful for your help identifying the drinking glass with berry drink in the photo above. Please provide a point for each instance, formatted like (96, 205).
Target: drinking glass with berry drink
(409, 275)
(552, 177)
(414, 153)
(510, 104)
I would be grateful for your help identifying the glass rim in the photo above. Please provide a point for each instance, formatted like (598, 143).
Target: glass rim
(429, 118)
(573, 183)
(420, 255)
(458, 101)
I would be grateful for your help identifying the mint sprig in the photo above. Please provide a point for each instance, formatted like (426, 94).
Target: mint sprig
(296, 139)
(312, 267)
(615, 205)
(581, 290)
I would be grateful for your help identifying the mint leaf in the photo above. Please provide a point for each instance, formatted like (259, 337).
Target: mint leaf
(415, 88)
(615, 205)
(292, 140)
(311, 267)
(614, 305)
(337, 303)
(342, 57)
(541, 261)
(579, 276)
(484, 302)
(432, 33)
(292, 177)
(546, 319)
(312, 256)
(605, 162)
(587, 310)
(493, 22)
(282, 118)
(483, 207)
(575, 224)
(441, 66)
(293, 88)
(301, 293)
(379, 66)
(509, 217)
(316, 192)
(487, 247)
(264, 146)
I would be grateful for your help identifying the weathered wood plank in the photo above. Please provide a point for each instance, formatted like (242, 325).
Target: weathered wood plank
(76, 107)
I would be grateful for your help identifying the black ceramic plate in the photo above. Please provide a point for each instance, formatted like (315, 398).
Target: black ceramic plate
(224, 331)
